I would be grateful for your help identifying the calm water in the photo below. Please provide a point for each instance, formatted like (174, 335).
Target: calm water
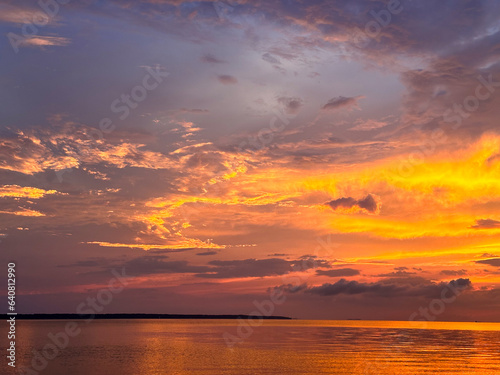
(138, 347)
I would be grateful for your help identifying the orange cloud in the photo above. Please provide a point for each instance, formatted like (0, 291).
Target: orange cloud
(23, 212)
(185, 244)
(24, 192)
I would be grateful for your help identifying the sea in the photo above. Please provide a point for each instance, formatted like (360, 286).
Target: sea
(239, 347)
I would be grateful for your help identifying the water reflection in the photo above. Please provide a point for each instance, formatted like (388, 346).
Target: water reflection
(281, 347)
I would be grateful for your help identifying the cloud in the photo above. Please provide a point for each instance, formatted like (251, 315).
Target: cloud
(207, 253)
(157, 265)
(370, 124)
(260, 267)
(17, 15)
(398, 273)
(179, 244)
(341, 272)
(292, 105)
(143, 265)
(393, 289)
(194, 110)
(495, 262)
(44, 41)
(23, 212)
(270, 58)
(211, 59)
(69, 146)
(227, 79)
(151, 263)
(288, 288)
(255, 202)
(29, 154)
(486, 224)
(454, 272)
(349, 204)
(336, 140)
(341, 102)
(82, 263)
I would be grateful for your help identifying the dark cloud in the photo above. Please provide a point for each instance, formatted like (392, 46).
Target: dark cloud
(336, 140)
(206, 253)
(217, 269)
(454, 272)
(353, 287)
(292, 105)
(82, 263)
(308, 256)
(495, 262)
(368, 204)
(399, 272)
(461, 36)
(156, 264)
(144, 265)
(341, 272)
(430, 290)
(284, 52)
(486, 224)
(209, 58)
(227, 79)
(341, 102)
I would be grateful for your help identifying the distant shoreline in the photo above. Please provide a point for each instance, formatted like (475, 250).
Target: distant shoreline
(137, 316)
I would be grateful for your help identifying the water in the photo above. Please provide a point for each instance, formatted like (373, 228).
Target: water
(139, 347)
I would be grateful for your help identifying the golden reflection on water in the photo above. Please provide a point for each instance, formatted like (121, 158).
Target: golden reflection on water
(467, 326)
(277, 347)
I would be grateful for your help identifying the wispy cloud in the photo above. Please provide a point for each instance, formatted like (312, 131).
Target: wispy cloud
(45, 41)
(21, 15)
(486, 224)
(209, 58)
(17, 191)
(342, 102)
(227, 79)
(23, 212)
(349, 204)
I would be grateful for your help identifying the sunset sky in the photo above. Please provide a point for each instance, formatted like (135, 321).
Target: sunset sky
(346, 153)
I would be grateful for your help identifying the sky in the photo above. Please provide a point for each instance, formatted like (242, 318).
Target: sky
(344, 155)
